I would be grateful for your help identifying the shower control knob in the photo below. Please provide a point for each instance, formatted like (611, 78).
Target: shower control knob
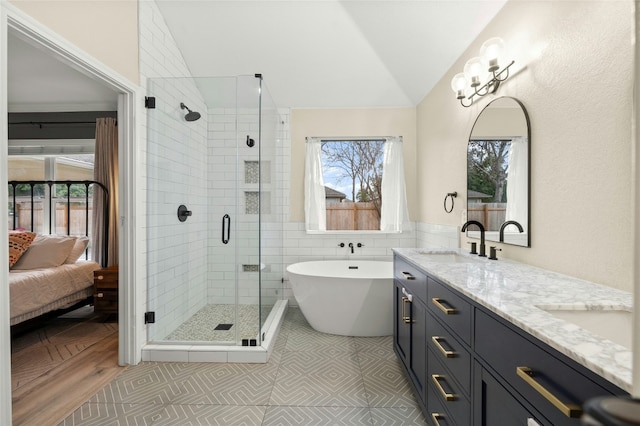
(183, 213)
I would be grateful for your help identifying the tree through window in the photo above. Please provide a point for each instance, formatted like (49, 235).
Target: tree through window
(353, 168)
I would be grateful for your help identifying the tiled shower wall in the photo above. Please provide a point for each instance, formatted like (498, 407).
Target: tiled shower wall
(173, 262)
(245, 183)
(231, 194)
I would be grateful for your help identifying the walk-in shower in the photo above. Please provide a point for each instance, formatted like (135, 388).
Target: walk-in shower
(214, 278)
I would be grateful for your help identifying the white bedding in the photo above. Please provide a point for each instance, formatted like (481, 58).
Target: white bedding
(37, 291)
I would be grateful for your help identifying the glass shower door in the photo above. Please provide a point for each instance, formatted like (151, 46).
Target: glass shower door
(176, 170)
(204, 272)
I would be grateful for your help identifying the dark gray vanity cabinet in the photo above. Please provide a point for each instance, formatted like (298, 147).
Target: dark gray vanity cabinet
(410, 324)
(449, 354)
(475, 368)
(497, 406)
(539, 375)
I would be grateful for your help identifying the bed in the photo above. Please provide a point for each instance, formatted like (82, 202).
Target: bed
(50, 272)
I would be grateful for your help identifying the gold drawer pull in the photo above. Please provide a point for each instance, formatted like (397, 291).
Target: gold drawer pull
(405, 318)
(438, 302)
(569, 410)
(408, 276)
(100, 294)
(447, 396)
(436, 417)
(446, 353)
(100, 277)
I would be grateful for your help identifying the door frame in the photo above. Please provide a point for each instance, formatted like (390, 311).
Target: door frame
(130, 309)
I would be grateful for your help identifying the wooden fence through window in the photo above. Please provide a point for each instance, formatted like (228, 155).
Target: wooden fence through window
(491, 215)
(76, 217)
(352, 217)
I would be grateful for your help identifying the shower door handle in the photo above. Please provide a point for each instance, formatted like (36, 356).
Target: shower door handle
(226, 228)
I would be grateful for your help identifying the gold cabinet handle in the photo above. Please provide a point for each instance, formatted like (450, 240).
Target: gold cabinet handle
(408, 276)
(569, 410)
(100, 294)
(447, 396)
(405, 318)
(446, 353)
(438, 302)
(436, 417)
(100, 277)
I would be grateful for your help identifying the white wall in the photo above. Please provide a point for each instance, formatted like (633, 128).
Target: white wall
(573, 73)
(105, 29)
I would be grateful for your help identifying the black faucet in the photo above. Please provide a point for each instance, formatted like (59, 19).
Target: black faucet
(351, 246)
(507, 223)
(479, 225)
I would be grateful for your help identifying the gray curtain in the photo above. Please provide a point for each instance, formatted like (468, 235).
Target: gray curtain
(106, 172)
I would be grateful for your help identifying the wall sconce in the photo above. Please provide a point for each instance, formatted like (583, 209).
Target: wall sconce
(469, 83)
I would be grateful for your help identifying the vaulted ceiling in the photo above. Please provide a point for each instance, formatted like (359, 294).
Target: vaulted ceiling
(312, 53)
(329, 53)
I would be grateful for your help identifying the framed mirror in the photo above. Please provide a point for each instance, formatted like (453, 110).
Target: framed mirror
(498, 173)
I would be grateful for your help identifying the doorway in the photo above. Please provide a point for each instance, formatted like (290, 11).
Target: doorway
(53, 47)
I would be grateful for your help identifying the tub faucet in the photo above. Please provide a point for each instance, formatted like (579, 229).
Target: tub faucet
(507, 223)
(479, 225)
(351, 247)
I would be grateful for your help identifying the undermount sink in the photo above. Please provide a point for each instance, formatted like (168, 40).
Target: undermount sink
(612, 324)
(445, 257)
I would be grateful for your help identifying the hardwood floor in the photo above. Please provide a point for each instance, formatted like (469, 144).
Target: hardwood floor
(57, 368)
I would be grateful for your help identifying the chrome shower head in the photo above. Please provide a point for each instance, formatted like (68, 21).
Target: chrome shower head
(191, 115)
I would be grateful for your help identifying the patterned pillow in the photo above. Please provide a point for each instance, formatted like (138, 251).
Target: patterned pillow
(18, 243)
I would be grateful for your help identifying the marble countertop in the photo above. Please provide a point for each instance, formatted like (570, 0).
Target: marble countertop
(515, 291)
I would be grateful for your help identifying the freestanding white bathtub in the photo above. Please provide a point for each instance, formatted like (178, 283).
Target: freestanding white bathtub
(345, 297)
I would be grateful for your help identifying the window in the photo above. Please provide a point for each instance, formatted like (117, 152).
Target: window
(355, 185)
(62, 160)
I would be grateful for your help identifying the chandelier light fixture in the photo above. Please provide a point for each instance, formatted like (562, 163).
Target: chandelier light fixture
(486, 67)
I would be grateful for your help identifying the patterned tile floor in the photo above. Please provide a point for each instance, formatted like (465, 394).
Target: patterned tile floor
(311, 379)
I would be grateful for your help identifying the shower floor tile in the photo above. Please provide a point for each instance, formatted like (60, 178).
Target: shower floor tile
(201, 327)
(311, 378)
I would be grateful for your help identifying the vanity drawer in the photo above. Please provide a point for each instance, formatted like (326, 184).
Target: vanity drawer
(437, 414)
(446, 393)
(450, 352)
(535, 371)
(450, 308)
(411, 278)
